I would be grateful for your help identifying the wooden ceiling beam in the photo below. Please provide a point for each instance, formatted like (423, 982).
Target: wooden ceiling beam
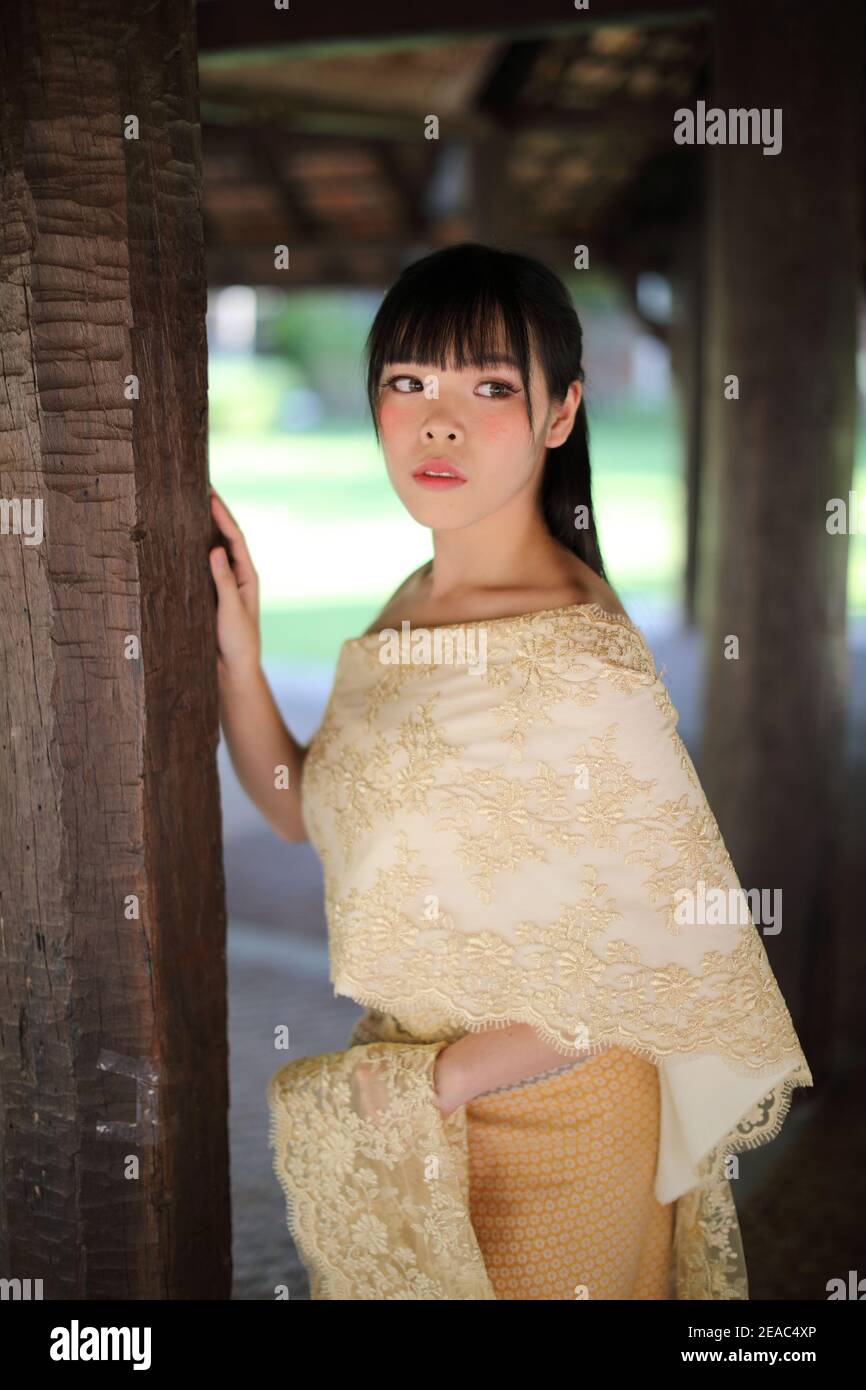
(263, 146)
(509, 74)
(633, 119)
(410, 191)
(333, 261)
(226, 29)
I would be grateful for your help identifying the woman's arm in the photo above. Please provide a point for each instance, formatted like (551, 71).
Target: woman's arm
(258, 743)
(479, 1062)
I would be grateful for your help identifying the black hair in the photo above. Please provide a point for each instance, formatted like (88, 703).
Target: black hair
(450, 306)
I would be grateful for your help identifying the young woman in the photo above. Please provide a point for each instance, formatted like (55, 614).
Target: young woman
(562, 1049)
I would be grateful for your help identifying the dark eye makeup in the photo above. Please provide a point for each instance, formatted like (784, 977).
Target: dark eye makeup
(507, 389)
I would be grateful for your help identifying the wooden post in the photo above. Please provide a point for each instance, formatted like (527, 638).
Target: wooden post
(113, 1068)
(783, 283)
(688, 332)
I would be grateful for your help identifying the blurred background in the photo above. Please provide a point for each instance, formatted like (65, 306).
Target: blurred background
(551, 136)
(293, 453)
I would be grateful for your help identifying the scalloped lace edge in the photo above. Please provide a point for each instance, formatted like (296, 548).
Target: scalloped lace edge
(461, 1018)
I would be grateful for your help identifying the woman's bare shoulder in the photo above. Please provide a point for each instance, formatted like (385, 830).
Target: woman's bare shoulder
(589, 587)
(607, 599)
(583, 586)
(401, 596)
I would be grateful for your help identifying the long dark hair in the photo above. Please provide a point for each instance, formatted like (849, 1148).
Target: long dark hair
(449, 306)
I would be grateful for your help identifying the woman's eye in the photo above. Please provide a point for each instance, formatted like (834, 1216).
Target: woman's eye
(500, 389)
(504, 388)
(392, 381)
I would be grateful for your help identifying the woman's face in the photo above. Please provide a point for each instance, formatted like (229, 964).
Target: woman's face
(474, 421)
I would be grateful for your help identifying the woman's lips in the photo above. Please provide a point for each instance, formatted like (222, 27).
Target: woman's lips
(437, 484)
(440, 467)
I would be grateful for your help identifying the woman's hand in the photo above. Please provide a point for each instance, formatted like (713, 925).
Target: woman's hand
(483, 1061)
(449, 1082)
(369, 1091)
(237, 586)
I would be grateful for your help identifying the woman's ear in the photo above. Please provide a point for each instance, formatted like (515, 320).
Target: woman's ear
(563, 421)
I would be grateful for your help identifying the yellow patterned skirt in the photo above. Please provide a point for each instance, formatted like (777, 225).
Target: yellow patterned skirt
(561, 1171)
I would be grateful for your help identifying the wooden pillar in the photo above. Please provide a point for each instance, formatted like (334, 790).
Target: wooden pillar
(687, 339)
(113, 1058)
(783, 286)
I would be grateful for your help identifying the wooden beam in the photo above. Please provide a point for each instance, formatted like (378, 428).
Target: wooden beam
(230, 108)
(484, 150)
(226, 28)
(113, 1068)
(409, 190)
(265, 160)
(509, 75)
(371, 265)
(783, 291)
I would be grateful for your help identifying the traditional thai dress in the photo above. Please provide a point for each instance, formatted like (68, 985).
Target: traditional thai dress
(512, 831)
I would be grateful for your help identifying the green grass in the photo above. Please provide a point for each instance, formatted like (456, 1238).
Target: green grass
(331, 540)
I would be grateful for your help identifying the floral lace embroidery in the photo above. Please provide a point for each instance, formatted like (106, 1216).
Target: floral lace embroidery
(365, 783)
(403, 773)
(554, 976)
(612, 788)
(542, 679)
(503, 821)
(708, 1260)
(352, 1133)
(388, 682)
(375, 1181)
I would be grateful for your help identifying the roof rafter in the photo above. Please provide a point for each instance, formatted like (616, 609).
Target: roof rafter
(226, 28)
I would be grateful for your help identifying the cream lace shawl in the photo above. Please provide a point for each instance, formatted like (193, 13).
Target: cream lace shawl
(507, 824)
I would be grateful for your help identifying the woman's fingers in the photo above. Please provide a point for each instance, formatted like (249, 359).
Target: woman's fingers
(228, 588)
(221, 507)
(223, 577)
(244, 571)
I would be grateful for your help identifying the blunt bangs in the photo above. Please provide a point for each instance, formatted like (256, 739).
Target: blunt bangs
(456, 308)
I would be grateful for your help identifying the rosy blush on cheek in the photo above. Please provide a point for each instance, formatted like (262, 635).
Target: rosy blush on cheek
(500, 430)
(388, 411)
(397, 429)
